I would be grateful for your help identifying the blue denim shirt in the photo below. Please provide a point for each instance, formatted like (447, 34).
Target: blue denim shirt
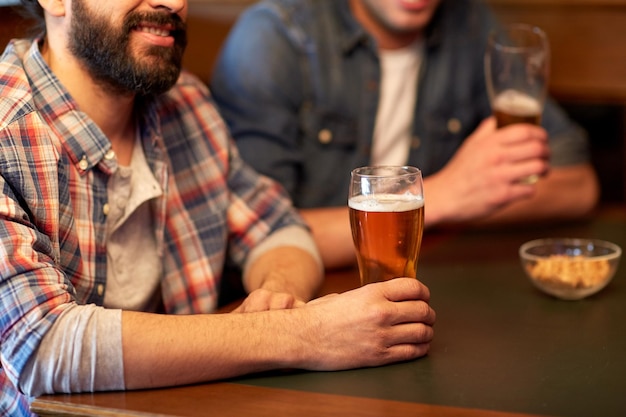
(298, 83)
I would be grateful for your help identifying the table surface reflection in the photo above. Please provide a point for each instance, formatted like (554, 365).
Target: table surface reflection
(501, 348)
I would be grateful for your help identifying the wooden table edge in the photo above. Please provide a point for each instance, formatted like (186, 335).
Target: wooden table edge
(225, 399)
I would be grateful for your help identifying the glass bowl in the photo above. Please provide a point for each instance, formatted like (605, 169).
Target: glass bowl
(570, 268)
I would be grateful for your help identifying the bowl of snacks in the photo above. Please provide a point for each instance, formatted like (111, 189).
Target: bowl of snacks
(570, 268)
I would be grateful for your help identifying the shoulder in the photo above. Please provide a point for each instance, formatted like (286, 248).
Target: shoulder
(295, 20)
(23, 132)
(286, 10)
(189, 106)
(16, 98)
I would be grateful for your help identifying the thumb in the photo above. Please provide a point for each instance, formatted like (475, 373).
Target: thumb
(487, 126)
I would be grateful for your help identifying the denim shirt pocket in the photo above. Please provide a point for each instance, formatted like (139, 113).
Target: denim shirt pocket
(441, 134)
(330, 149)
(330, 130)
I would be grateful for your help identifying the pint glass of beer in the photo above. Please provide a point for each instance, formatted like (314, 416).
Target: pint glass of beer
(386, 205)
(517, 62)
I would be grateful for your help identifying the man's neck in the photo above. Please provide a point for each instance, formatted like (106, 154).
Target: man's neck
(112, 112)
(385, 38)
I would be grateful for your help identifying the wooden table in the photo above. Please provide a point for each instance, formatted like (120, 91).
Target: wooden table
(501, 349)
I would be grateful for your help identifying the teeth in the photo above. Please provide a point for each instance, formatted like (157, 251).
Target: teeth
(155, 31)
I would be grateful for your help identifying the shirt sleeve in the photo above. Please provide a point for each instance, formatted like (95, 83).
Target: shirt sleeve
(82, 352)
(569, 142)
(294, 236)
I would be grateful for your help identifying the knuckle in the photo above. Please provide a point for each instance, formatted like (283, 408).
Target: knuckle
(381, 315)
(424, 333)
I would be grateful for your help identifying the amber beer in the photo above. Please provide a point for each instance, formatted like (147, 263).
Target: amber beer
(387, 234)
(512, 106)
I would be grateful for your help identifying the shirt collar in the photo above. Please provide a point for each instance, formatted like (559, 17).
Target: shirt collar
(352, 34)
(85, 143)
(82, 139)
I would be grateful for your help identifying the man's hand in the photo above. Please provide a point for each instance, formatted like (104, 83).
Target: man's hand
(373, 325)
(488, 172)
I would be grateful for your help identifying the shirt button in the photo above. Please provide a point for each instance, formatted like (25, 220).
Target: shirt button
(105, 209)
(109, 155)
(100, 289)
(454, 125)
(83, 164)
(325, 136)
(416, 142)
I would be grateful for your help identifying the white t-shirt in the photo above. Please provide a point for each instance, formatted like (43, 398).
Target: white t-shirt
(398, 95)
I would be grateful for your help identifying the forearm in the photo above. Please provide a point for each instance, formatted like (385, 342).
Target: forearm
(286, 270)
(331, 231)
(169, 350)
(288, 261)
(438, 206)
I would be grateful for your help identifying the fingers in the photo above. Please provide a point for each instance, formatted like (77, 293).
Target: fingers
(522, 132)
(407, 352)
(527, 172)
(410, 304)
(404, 342)
(530, 148)
(414, 312)
(524, 156)
(410, 334)
(402, 289)
(263, 300)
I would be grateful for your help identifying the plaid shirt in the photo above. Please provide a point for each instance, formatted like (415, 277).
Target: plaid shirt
(54, 167)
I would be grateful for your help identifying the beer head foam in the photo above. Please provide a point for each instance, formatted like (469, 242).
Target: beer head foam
(516, 102)
(385, 203)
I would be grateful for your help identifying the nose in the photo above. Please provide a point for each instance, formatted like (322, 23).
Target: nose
(172, 6)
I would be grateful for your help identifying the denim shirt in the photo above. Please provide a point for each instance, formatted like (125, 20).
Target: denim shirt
(298, 83)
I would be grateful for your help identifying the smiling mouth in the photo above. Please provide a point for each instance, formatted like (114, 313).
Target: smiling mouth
(154, 30)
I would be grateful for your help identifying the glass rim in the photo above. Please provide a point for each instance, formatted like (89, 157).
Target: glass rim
(495, 36)
(400, 171)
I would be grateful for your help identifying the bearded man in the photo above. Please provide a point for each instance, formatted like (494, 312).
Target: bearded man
(122, 196)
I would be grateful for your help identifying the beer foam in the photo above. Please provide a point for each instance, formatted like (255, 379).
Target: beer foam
(516, 102)
(386, 203)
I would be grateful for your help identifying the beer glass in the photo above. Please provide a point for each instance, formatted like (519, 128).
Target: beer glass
(517, 66)
(386, 205)
(516, 72)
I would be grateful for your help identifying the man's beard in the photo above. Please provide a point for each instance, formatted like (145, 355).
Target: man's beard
(105, 51)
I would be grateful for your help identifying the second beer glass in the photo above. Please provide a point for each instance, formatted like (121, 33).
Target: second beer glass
(386, 205)
(516, 70)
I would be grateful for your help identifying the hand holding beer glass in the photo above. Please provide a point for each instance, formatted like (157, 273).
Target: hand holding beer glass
(516, 72)
(386, 205)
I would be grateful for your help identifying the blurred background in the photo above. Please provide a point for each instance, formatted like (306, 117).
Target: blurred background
(588, 68)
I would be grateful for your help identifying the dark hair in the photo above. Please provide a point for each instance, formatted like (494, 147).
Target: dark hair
(33, 12)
